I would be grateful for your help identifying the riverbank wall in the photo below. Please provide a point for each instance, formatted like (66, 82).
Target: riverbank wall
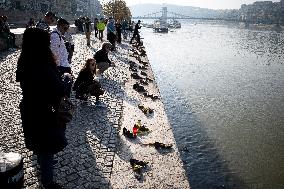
(99, 153)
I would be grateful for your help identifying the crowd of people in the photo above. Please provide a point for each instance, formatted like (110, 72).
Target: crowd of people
(45, 76)
(115, 29)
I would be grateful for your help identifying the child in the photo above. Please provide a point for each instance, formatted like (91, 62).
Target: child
(85, 84)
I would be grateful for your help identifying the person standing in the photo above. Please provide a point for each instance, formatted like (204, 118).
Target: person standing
(124, 27)
(44, 24)
(59, 50)
(5, 29)
(96, 21)
(118, 28)
(101, 27)
(111, 33)
(88, 30)
(42, 90)
(69, 44)
(136, 33)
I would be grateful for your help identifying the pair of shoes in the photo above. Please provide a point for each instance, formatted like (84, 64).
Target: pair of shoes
(145, 110)
(127, 133)
(143, 73)
(136, 76)
(159, 145)
(138, 88)
(153, 97)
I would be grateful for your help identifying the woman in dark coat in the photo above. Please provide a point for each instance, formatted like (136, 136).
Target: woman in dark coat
(42, 90)
(85, 84)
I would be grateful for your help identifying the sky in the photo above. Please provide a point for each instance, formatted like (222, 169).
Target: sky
(211, 4)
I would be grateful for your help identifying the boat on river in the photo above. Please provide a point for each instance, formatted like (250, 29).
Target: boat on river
(174, 24)
(160, 26)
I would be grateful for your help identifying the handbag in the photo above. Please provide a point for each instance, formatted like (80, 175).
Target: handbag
(65, 111)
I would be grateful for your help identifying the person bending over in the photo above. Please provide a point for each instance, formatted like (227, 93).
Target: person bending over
(101, 57)
(85, 85)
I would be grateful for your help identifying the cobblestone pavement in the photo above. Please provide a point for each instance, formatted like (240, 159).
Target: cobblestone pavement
(97, 155)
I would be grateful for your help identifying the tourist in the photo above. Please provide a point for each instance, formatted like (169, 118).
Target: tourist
(118, 28)
(8, 35)
(69, 44)
(42, 90)
(136, 33)
(111, 33)
(59, 49)
(124, 27)
(88, 30)
(102, 60)
(44, 24)
(96, 21)
(85, 84)
(101, 27)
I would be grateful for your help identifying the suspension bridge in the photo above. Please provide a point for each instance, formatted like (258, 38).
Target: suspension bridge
(165, 14)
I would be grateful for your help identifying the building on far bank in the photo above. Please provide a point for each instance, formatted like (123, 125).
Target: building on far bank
(263, 12)
(19, 11)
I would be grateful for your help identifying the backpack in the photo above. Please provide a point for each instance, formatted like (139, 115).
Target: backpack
(68, 46)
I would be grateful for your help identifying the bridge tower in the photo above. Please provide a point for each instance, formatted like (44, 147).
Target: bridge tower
(164, 14)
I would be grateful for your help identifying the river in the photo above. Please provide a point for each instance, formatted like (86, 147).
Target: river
(223, 90)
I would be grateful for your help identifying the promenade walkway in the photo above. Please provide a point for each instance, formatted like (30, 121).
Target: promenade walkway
(98, 154)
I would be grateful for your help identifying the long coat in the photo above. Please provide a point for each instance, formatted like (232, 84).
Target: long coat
(42, 91)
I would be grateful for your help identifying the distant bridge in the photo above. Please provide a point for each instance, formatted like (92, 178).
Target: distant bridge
(165, 14)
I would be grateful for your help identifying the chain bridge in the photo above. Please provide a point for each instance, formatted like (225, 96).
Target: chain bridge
(164, 14)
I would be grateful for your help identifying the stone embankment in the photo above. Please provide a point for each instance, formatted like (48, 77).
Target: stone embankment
(98, 154)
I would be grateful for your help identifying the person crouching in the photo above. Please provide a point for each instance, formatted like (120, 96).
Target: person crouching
(85, 85)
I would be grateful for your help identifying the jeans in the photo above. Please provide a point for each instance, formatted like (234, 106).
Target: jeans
(45, 162)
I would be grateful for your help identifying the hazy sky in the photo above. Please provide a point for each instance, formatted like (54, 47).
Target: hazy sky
(212, 4)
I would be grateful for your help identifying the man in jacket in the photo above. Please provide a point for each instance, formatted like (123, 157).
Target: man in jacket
(136, 32)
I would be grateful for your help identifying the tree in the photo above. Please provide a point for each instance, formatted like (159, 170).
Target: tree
(117, 9)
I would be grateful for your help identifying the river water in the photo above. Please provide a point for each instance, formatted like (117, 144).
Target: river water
(223, 90)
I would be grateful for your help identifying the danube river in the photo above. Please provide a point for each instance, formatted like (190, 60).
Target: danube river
(223, 90)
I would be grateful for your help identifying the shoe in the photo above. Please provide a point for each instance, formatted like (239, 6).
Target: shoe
(128, 134)
(143, 73)
(144, 82)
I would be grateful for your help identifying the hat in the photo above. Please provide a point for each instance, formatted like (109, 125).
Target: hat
(139, 20)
